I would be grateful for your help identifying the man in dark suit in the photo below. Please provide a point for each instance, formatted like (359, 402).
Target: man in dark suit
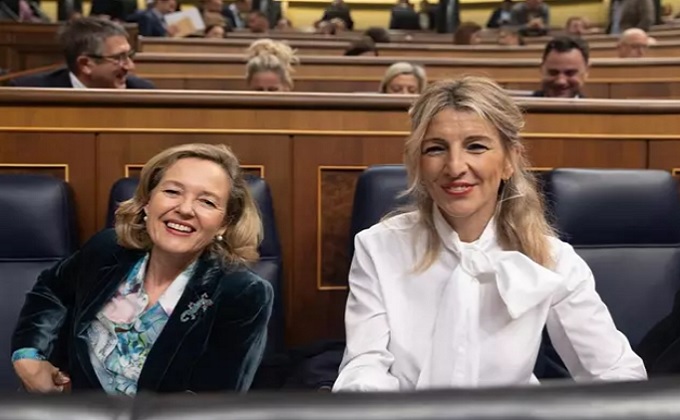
(115, 9)
(625, 14)
(98, 55)
(564, 68)
(236, 13)
(403, 17)
(339, 10)
(448, 16)
(152, 21)
(271, 9)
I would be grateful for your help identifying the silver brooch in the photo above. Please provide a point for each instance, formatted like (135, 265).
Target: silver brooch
(194, 307)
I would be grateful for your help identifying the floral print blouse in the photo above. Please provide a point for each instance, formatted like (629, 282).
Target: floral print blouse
(124, 331)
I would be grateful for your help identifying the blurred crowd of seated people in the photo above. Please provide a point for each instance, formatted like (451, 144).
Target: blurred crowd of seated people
(515, 19)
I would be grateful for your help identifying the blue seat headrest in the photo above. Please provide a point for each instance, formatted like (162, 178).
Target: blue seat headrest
(39, 215)
(615, 207)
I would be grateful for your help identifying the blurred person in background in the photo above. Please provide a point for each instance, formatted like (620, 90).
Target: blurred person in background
(467, 34)
(270, 66)
(403, 78)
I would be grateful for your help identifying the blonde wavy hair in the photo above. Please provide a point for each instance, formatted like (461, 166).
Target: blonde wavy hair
(242, 219)
(520, 219)
(402, 67)
(268, 55)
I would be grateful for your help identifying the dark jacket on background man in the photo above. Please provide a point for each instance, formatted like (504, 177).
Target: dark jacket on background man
(271, 9)
(634, 14)
(403, 17)
(150, 23)
(60, 79)
(341, 12)
(442, 20)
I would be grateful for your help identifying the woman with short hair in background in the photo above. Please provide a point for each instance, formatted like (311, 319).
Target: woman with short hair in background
(467, 34)
(269, 67)
(404, 78)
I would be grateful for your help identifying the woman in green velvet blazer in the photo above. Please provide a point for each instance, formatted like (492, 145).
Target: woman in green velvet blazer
(164, 303)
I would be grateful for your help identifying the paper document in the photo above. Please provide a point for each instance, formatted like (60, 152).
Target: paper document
(187, 22)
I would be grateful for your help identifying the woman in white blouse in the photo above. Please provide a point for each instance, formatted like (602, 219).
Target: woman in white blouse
(457, 292)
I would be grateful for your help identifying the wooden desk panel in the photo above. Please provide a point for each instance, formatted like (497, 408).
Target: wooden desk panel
(333, 47)
(594, 88)
(63, 154)
(665, 154)
(312, 148)
(206, 66)
(329, 167)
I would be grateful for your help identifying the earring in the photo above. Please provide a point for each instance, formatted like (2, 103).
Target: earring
(146, 218)
(219, 238)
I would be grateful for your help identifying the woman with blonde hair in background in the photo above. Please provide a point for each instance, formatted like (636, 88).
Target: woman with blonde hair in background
(269, 67)
(404, 78)
(456, 291)
(164, 302)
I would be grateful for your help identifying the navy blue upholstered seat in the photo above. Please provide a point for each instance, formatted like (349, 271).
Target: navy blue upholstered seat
(626, 225)
(378, 192)
(37, 229)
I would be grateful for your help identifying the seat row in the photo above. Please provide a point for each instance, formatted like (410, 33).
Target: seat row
(624, 223)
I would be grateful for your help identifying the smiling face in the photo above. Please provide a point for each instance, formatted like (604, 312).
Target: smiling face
(462, 164)
(110, 71)
(564, 73)
(186, 210)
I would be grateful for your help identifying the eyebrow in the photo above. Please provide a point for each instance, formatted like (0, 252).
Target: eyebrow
(474, 137)
(179, 184)
(433, 139)
(478, 137)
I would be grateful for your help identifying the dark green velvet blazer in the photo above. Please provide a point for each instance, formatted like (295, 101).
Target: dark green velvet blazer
(213, 341)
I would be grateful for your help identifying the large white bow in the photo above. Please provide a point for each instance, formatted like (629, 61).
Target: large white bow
(522, 284)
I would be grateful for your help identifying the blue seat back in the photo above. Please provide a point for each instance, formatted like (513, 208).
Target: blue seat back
(626, 225)
(378, 192)
(37, 229)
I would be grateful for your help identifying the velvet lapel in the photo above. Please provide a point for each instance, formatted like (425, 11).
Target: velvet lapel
(200, 288)
(108, 279)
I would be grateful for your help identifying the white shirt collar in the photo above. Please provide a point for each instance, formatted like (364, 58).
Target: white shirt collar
(521, 282)
(75, 82)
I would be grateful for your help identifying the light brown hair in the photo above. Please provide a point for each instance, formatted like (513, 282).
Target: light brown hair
(268, 55)
(402, 67)
(242, 220)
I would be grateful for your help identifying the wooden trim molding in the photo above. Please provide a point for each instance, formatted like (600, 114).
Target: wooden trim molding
(319, 221)
(63, 166)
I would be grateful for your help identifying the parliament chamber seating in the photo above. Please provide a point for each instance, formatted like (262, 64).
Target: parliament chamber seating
(379, 191)
(626, 225)
(37, 229)
(396, 50)
(315, 149)
(270, 264)
(608, 77)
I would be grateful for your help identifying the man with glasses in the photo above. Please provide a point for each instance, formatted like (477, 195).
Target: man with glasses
(98, 55)
(633, 43)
